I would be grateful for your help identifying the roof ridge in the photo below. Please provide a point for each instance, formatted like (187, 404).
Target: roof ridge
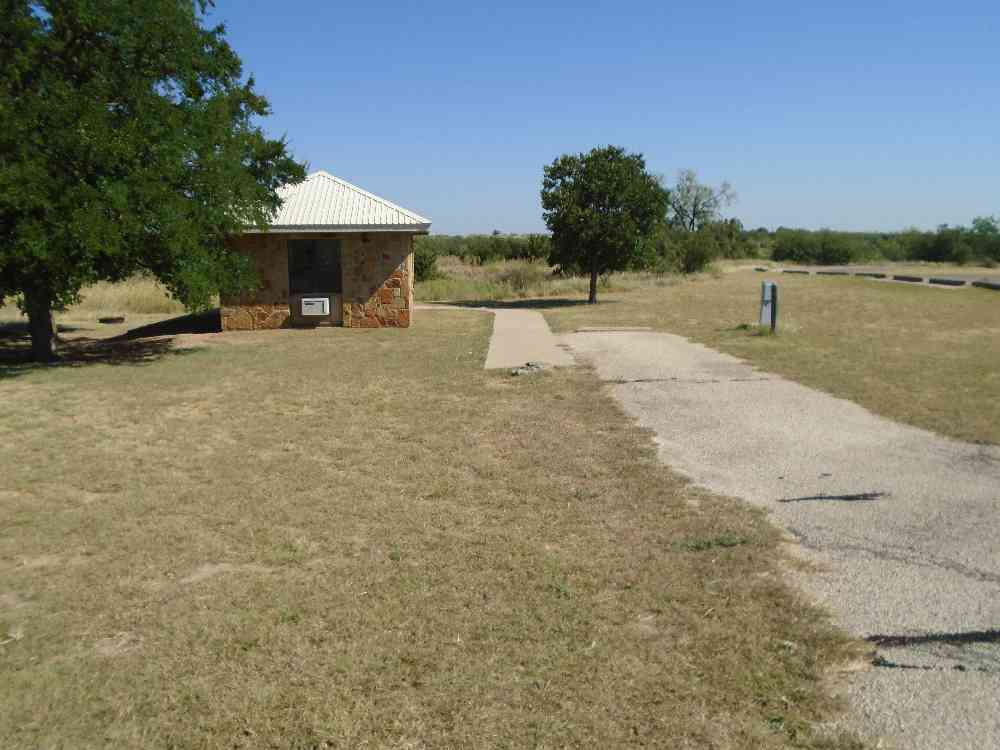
(415, 216)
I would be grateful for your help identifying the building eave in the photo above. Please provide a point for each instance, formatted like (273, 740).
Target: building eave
(342, 229)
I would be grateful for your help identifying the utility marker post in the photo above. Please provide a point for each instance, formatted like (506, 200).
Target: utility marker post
(769, 305)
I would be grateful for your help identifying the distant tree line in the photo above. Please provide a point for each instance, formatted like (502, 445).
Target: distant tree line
(689, 235)
(978, 243)
(688, 252)
(612, 215)
(477, 249)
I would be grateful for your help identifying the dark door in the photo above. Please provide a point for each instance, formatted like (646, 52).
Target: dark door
(314, 271)
(314, 267)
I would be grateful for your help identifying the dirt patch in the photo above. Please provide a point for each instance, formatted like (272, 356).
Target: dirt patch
(10, 601)
(211, 570)
(117, 645)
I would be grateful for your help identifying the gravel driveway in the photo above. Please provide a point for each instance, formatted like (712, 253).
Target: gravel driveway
(905, 523)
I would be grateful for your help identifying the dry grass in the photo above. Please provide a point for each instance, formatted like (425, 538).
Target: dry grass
(521, 279)
(365, 540)
(139, 295)
(921, 355)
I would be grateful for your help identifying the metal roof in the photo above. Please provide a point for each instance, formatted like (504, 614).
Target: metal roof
(324, 203)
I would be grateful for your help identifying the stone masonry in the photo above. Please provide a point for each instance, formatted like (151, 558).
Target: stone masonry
(377, 273)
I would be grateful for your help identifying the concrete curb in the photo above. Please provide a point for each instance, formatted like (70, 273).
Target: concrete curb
(933, 280)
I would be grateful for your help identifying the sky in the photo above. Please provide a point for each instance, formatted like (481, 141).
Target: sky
(849, 115)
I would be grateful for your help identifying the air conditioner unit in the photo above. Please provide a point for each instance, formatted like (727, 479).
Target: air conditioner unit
(315, 306)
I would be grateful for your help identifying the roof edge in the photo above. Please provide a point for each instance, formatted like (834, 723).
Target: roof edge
(415, 216)
(340, 229)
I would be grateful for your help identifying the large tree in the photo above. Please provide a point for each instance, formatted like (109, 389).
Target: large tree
(694, 205)
(602, 207)
(128, 143)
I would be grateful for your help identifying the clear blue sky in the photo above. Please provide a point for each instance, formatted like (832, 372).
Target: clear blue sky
(854, 115)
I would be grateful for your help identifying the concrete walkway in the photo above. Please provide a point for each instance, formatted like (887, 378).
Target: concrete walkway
(519, 337)
(905, 524)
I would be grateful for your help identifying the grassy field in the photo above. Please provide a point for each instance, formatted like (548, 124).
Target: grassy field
(921, 355)
(521, 279)
(338, 539)
(139, 295)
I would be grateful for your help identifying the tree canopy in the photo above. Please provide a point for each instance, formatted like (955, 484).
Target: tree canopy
(601, 207)
(694, 205)
(129, 142)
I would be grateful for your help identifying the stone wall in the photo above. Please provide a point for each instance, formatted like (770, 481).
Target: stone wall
(377, 281)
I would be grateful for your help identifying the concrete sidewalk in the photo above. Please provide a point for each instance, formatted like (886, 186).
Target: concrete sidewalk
(905, 524)
(519, 336)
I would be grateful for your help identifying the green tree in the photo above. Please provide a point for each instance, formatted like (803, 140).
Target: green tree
(128, 143)
(987, 226)
(602, 207)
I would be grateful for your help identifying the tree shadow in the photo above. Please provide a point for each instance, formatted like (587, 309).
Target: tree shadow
(18, 329)
(523, 304)
(132, 348)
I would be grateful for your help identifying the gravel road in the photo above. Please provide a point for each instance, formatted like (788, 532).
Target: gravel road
(905, 523)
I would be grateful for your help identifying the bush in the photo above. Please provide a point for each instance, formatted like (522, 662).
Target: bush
(694, 252)
(732, 241)
(524, 276)
(682, 252)
(425, 260)
(948, 244)
(825, 247)
(794, 245)
(485, 248)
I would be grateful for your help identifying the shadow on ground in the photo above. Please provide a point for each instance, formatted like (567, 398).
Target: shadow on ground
(519, 304)
(139, 346)
(209, 321)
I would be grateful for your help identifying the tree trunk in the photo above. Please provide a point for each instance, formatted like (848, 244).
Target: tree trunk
(593, 285)
(38, 305)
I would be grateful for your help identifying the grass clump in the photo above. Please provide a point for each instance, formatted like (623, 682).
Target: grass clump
(702, 544)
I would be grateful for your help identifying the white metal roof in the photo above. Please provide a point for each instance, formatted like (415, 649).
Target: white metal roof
(324, 203)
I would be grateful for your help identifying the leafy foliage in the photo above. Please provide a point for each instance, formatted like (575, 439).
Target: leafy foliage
(602, 207)
(484, 248)
(980, 243)
(128, 143)
(425, 261)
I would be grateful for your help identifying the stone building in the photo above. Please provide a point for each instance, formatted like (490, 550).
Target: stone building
(334, 255)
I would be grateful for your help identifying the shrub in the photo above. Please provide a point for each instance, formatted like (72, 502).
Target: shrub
(524, 276)
(795, 245)
(486, 248)
(824, 247)
(425, 260)
(682, 252)
(946, 244)
(695, 251)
